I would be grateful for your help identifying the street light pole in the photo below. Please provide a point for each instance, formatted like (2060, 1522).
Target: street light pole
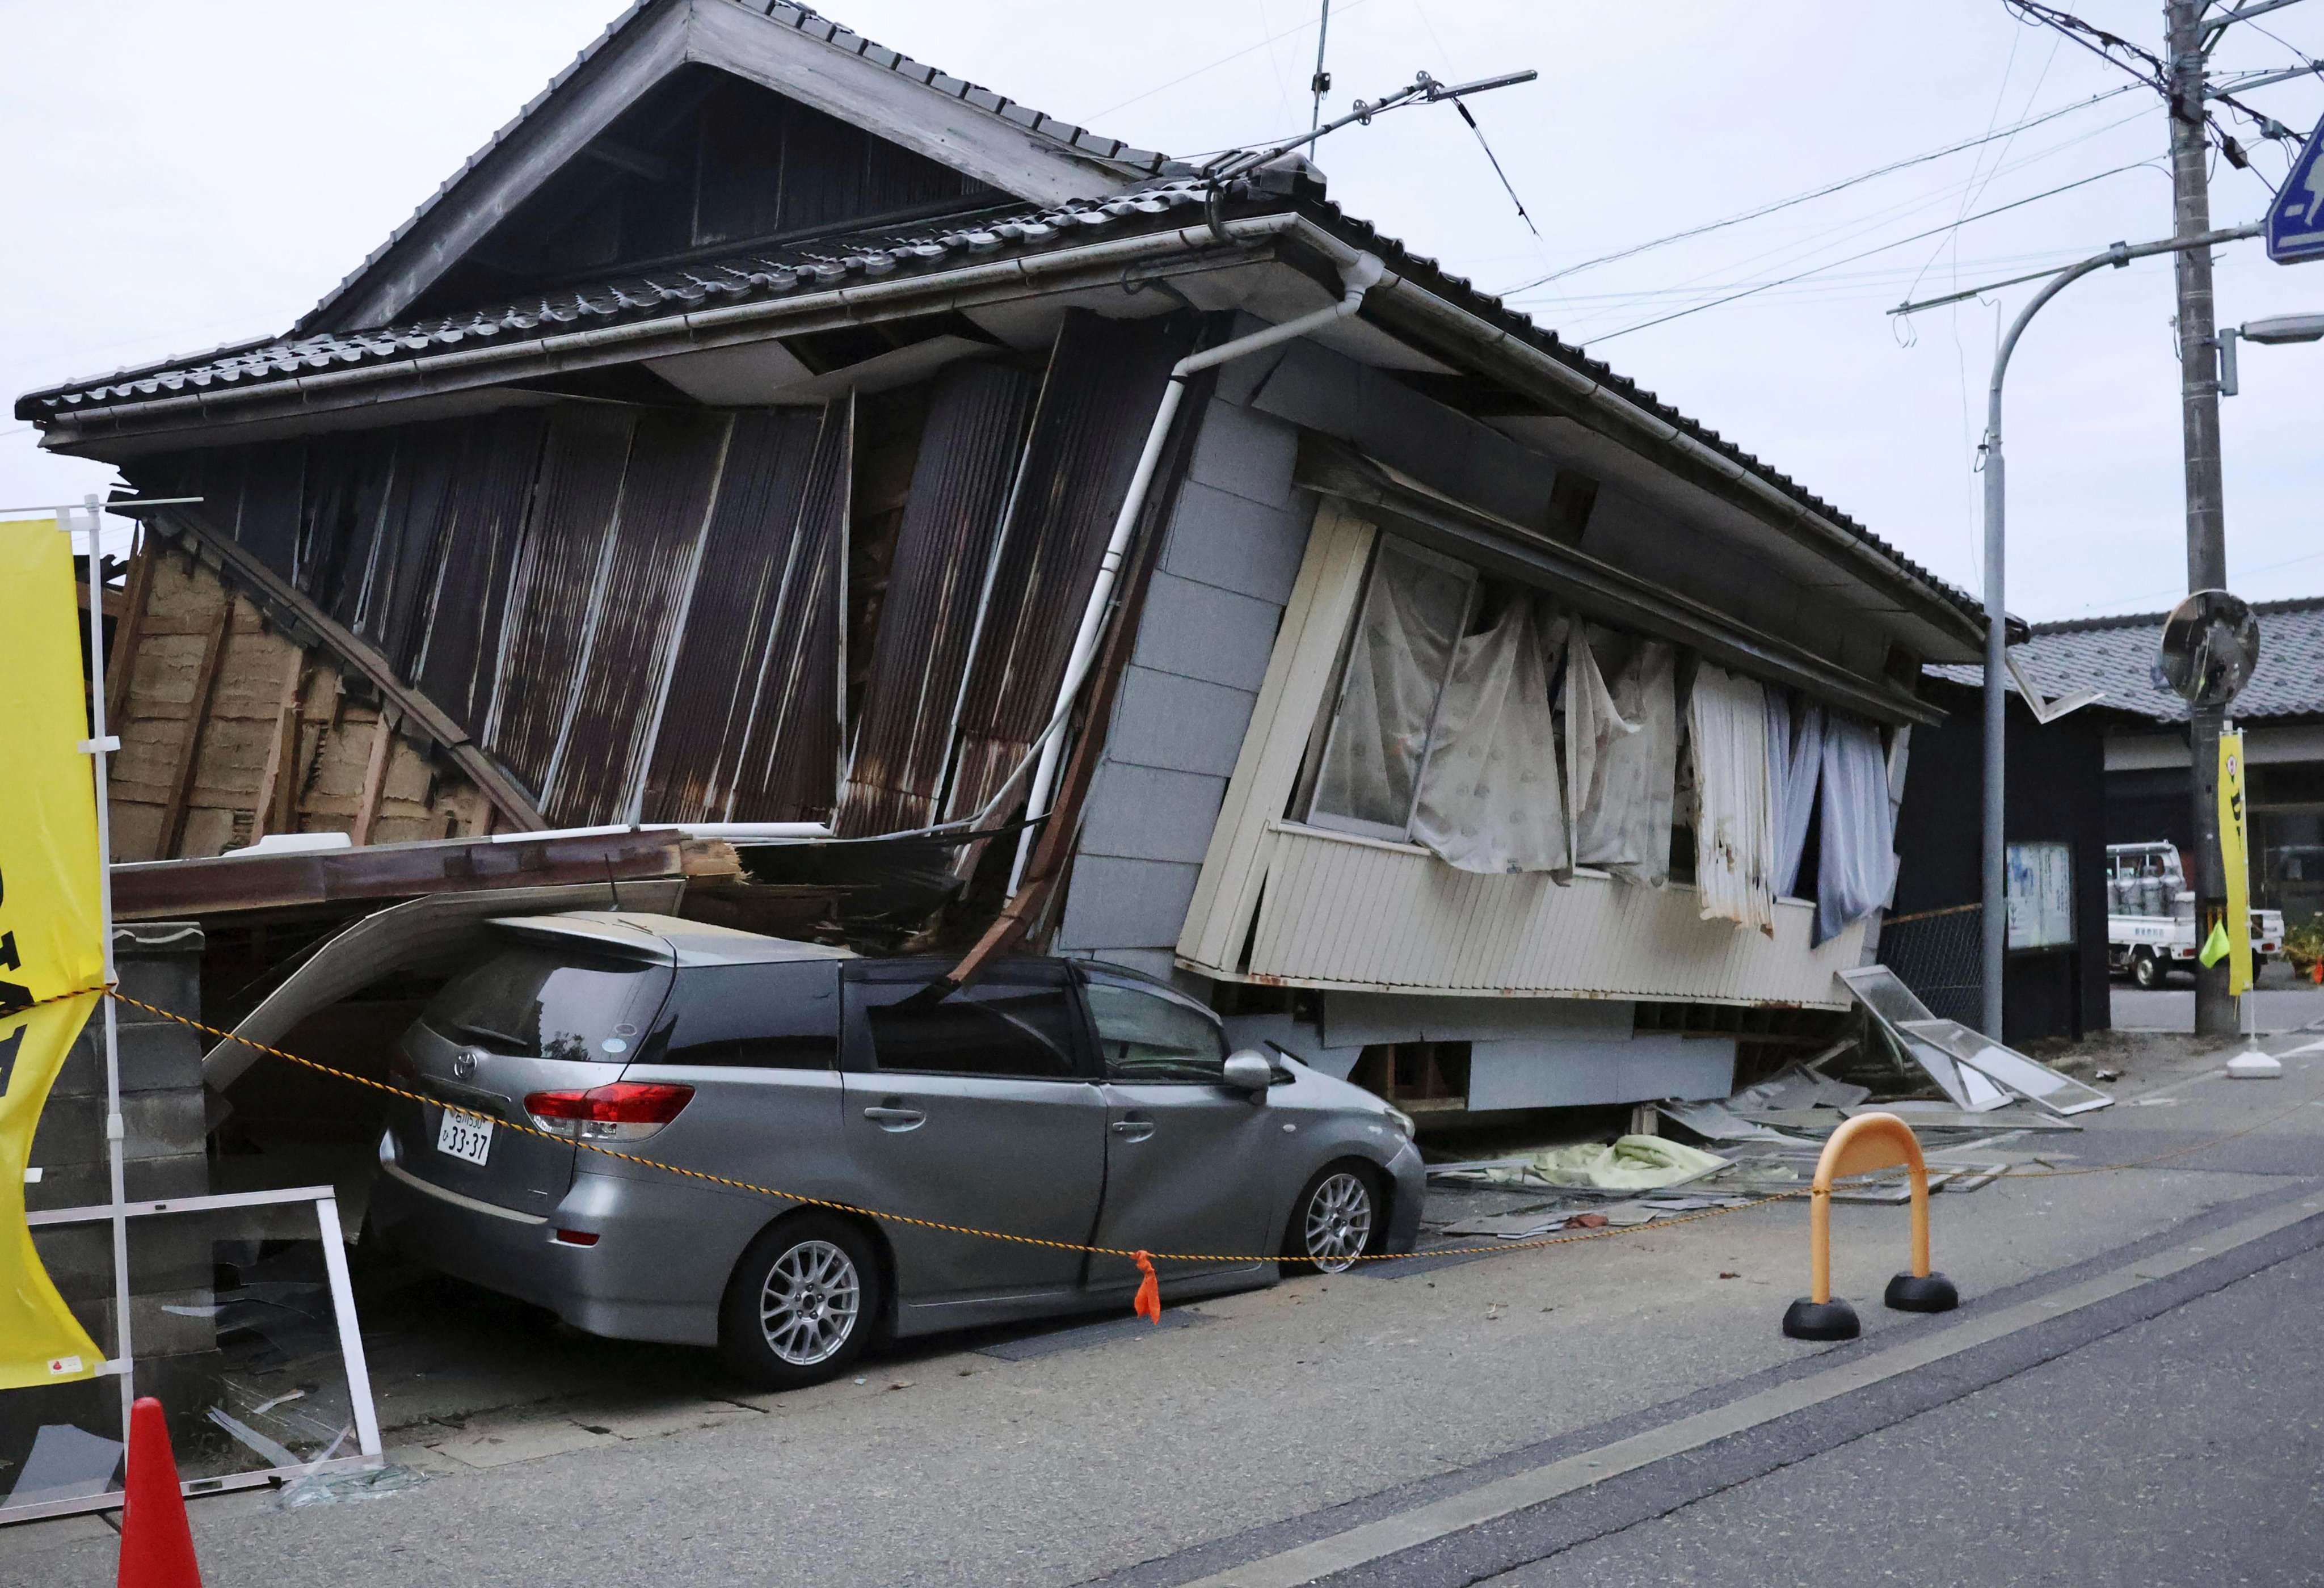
(2198, 398)
(1995, 851)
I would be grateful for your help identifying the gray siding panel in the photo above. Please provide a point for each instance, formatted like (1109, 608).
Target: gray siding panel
(1218, 538)
(1245, 453)
(1183, 725)
(1200, 631)
(1145, 813)
(1119, 904)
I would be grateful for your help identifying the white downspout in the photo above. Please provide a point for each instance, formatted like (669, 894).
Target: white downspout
(1357, 277)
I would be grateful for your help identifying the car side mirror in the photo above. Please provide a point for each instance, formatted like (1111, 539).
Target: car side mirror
(1248, 1072)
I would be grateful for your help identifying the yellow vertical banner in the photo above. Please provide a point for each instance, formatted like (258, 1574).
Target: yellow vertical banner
(2236, 862)
(52, 948)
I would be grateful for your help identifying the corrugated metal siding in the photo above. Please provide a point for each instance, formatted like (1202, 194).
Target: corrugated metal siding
(1104, 381)
(788, 756)
(1348, 911)
(631, 613)
(458, 639)
(736, 605)
(960, 485)
(565, 543)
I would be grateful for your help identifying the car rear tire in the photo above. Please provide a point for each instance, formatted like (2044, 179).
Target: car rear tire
(805, 1298)
(2146, 972)
(1339, 1216)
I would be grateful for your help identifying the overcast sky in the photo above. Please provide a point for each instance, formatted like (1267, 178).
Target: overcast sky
(179, 176)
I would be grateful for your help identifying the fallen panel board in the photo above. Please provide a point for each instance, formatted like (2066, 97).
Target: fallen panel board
(1895, 1006)
(2029, 1078)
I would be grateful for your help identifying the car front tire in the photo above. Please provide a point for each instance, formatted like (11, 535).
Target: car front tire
(1340, 1215)
(804, 1300)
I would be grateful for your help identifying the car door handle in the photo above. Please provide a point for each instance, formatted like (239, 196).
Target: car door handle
(1132, 1130)
(895, 1119)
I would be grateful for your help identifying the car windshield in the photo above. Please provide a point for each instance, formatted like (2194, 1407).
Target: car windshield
(551, 1002)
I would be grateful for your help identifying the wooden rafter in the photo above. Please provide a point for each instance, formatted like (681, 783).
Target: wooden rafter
(190, 752)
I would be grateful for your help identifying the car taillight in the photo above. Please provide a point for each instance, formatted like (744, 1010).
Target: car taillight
(623, 1111)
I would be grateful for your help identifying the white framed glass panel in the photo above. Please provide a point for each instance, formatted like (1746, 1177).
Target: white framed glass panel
(1415, 604)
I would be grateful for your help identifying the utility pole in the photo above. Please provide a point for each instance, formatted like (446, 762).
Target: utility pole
(2198, 398)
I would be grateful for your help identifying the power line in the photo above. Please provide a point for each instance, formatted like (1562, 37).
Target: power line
(1797, 249)
(1898, 242)
(1345, 7)
(1813, 193)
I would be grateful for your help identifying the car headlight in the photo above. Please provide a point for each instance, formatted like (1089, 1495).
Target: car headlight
(1401, 1121)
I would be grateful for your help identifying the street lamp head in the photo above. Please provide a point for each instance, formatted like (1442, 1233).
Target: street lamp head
(2285, 327)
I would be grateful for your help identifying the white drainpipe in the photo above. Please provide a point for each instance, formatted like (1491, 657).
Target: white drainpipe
(1357, 277)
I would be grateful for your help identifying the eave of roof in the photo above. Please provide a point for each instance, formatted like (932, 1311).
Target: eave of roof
(893, 253)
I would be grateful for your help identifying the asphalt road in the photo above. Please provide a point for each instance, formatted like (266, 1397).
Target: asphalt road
(2189, 1448)
(2163, 1427)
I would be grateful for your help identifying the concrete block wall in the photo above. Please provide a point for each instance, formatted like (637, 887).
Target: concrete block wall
(1234, 547)
(165, 1149)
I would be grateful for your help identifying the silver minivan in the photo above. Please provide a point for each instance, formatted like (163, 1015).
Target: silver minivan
(1065, 1102)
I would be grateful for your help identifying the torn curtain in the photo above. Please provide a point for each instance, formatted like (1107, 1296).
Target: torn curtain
(1734, 838)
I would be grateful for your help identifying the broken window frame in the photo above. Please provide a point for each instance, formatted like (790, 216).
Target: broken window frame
(1329, 724)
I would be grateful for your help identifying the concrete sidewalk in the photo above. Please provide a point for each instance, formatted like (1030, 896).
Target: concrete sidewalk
(1258, 1412)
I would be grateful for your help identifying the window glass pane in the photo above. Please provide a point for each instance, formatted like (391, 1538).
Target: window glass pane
(553, 1002)
(766, 1016)
(990, 1029)
(1143, 1037)
(1411, 620)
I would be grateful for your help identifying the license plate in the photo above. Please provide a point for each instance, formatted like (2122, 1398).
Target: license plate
(465, 1137)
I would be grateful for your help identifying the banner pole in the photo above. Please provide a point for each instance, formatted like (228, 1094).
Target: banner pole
(98, 748)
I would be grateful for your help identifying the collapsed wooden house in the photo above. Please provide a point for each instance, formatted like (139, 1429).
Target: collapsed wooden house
(731, 451)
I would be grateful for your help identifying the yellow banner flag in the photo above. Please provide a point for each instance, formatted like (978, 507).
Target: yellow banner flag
(41, 1342)
(52, 945)
(2235, 861)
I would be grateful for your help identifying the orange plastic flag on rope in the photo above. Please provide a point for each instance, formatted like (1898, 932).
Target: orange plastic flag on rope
(51, 944)
(1149, 1303)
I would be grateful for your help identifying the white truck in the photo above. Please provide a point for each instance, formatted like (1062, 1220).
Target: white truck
(2151, 916)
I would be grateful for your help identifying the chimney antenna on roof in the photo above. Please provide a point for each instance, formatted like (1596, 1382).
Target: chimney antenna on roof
(1321, 83)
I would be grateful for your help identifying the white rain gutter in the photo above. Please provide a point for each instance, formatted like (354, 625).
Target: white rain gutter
(1357, 277)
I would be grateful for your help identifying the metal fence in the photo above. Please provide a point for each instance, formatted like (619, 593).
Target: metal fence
(1939, 954)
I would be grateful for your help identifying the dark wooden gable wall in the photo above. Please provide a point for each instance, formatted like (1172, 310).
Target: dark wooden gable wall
(702, 163)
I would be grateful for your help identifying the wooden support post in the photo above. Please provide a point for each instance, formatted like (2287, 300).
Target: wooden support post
(189, 753)
(278, 786)
(383, 743)
(120, 657)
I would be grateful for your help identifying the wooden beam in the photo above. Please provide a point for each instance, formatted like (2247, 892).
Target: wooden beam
(278, 786)
(383, 743)
(189, 753)
(121, 658)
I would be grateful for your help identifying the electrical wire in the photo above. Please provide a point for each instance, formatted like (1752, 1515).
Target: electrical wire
(1813, 193)
(1346, 6)
(1898, 242)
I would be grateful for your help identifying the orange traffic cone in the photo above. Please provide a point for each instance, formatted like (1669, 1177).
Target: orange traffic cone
(157, 1547)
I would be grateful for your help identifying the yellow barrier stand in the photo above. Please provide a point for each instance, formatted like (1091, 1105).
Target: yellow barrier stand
(1868, 1141)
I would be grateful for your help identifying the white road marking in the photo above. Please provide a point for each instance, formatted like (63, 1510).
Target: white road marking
(1505, 1496)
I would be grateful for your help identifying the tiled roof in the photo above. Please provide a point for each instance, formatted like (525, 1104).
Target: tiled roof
(761, 274)
(1023, 118)
(2119, 655)
(826, 263)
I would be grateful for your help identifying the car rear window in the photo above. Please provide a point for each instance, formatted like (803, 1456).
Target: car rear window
(553, 1002)
(783, 1016)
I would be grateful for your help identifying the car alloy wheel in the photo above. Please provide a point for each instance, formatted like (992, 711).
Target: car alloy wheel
(810, 1301)
(805, 1300)
(1336, 1225)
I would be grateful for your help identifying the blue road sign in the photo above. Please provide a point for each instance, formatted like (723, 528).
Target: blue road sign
(2295, 222)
